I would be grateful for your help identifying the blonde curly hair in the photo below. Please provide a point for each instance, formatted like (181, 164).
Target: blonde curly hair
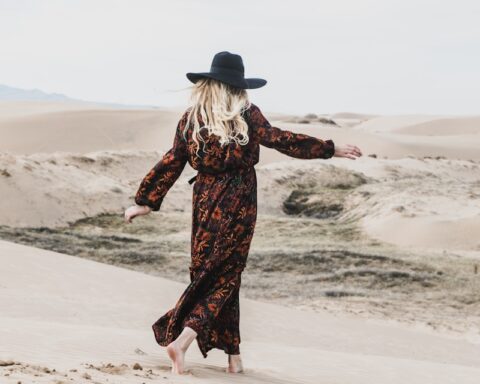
(221, 107)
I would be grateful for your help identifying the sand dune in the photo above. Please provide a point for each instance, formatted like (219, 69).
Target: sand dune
(384, 124)
(418, 125)
(84, 128)
(433, 200)
(407, 210)
(53, 322)
(47, 127)
(444, 127)
(55, 189)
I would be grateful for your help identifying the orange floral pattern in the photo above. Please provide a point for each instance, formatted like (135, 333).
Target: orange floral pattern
(224, 213)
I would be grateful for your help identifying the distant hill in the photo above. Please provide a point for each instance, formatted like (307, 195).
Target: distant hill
(8, 93)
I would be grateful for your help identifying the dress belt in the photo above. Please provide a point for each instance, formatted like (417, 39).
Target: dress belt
(219, 173)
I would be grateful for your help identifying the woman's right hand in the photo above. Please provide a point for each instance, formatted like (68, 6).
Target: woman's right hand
(136, 210)
(349, 151)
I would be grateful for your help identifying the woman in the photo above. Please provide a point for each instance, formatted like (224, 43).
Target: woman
(219, 136)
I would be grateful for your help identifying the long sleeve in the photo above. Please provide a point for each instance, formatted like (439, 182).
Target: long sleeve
(163, 175)
(296, 145)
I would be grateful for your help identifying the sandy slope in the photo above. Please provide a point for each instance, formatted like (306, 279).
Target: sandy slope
(410, 202)
(47, 127)
(60, 162)
(71, 127)
(65, 161)
(64, 313)
(418, 125)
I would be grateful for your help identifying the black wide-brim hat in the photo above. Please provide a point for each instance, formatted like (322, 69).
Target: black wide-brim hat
(228, 68)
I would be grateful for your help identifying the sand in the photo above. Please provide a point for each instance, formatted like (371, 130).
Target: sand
(398, 303)
(433, 201)
(64, 313)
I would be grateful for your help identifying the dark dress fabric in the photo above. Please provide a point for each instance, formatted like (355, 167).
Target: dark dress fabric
(224, 212)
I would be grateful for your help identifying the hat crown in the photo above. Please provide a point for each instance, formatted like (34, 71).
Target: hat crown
(228, 61)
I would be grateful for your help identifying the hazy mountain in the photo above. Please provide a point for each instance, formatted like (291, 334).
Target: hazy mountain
(10, 93)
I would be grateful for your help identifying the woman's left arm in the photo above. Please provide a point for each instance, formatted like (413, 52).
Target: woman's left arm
(298, 145)
(163, 175)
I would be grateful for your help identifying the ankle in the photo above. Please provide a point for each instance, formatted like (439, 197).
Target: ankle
(181, 344)
(185, 339)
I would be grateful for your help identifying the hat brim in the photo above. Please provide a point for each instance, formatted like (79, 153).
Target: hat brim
(250, 83)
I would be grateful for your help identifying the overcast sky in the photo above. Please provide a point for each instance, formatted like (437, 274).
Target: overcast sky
(371, 56)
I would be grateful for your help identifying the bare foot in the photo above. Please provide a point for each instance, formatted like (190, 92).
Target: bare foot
(234, 364)
(177, 355)
(176, 349)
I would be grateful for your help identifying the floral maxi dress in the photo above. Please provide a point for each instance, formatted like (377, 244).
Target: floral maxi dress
(224, 212)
